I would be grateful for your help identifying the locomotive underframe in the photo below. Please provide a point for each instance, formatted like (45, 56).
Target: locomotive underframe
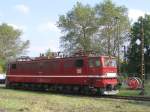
(103, 86)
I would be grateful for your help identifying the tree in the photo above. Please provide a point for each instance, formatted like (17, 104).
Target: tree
(2, 65)
(49, 53)
(94, 28)
(113, 26)
(11, 44)
(79, 25)
(134, 51)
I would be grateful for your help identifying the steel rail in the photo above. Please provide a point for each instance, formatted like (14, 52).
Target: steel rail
(137, 98)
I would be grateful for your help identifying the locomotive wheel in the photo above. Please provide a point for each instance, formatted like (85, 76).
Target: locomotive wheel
(68, 89)
(33, 87)
(54, 88)
(85, 90)
(60, 88)
(76, 89)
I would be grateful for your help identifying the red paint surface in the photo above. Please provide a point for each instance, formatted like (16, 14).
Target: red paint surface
(45, 70)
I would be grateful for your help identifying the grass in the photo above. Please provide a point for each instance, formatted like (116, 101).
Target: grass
(32, 101)
(147, 87)
(128, 92)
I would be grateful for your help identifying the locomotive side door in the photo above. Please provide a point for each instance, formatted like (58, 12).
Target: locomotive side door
(94, 70)
(94, 66)
(40, 68)
(80, 66)
(68, 67)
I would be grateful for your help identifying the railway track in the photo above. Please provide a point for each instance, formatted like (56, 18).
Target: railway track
(136, 98)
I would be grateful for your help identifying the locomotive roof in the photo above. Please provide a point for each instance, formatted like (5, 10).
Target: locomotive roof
(30, 59)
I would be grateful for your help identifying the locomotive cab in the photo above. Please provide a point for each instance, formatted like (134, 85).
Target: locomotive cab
(104, 71)
(109, 72)
(109, 67)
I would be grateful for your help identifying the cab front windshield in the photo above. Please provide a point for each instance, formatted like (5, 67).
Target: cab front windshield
(110, 62)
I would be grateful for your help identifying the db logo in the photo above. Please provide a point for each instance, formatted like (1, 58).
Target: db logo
(79, 71)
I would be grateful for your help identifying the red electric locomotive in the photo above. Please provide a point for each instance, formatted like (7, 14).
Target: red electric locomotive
(76, 73)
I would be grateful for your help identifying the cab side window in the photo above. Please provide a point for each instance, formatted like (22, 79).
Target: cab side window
(68, 64)
(94, 63)
(13, 66)
(79, 63)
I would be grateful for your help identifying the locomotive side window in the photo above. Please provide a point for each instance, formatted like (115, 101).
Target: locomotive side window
(79, 63)
(94, 62)
(68, 64)
(13, 66)
(55, 65)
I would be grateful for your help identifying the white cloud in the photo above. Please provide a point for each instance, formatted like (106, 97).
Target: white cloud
(134, 14)
(22, 8)
(49, 26)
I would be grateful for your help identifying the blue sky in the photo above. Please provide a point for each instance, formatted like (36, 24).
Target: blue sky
(37, 18)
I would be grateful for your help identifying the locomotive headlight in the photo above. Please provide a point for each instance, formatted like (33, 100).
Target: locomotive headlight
(109, 75)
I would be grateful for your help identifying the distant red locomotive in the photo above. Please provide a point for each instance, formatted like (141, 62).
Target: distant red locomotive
(80, 73)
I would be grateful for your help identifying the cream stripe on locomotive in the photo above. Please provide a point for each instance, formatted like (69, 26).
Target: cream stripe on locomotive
(90, 76)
